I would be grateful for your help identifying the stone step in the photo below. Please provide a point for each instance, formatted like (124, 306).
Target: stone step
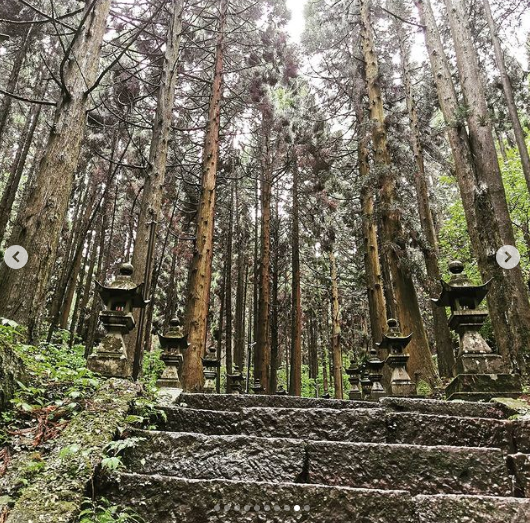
(242, 401)
(358, 425)
(461, 409)
(418, 469)
(351, 425)
(162, 499)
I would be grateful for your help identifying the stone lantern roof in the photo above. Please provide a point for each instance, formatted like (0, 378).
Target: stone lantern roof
(123, 287)
(393, 339)
(459, 293)
(174, 338)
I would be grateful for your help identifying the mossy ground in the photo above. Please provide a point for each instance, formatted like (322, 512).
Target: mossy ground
(54, 433)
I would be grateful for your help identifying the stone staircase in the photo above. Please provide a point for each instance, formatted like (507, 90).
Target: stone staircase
(283, 459)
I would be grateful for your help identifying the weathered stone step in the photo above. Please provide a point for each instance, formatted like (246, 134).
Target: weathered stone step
(242, 401)
(162, 499)
(351, 425)
(418, 469)
(357, 425)
(461, 409)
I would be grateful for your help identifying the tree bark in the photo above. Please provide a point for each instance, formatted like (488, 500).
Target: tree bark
(372, 263)
(17, 168)
(508, 307)
(430, 251)
(40, 221)
(508, 93)
(275, 324)
(263, 340)
(295, 384)
(155, 174)
(336, 348)
(228, 337)
(201, 267)
(394, 243)
(239, 346)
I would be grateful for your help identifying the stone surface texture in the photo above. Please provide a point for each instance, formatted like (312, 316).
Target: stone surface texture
(249, 458)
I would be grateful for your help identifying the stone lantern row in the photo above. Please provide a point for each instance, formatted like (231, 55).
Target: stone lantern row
(365, 380)
(480, 374)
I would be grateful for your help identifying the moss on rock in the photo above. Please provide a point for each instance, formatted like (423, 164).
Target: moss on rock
(56, 493)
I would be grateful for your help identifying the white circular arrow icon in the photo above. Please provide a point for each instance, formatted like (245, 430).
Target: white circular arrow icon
(508, 257)
(16, 257)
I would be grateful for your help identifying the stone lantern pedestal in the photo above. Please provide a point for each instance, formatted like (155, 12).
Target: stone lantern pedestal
(121, 297)
(354, 378)
(257, 388)
(366, 383)
(481, 374)
(375, 373)
(395, 343)
(211, 366)
(173, 343)
(234, 381)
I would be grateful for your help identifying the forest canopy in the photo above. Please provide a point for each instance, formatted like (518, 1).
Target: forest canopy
(282, 199)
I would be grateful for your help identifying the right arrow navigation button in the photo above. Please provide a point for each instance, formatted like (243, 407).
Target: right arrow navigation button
(508, 257)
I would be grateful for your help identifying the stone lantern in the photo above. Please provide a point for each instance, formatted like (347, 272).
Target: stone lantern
(481, 374)
(121, 297)
(211, 366)
(281, 391)
(235, 381)
(257, 388)
(374, 367)
(354, 378)
(395, 343)
(173, 344)
(366, 382)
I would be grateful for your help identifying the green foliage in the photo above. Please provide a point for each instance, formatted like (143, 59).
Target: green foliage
(112, 463)
(424, 389)
(115, 448)
(146, 414)
(103, 511)
(152, 367)
(58, 387)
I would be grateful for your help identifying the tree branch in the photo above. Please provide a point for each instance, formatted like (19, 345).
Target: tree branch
(27, 100)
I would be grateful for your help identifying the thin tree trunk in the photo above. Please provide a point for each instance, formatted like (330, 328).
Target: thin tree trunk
(394, 243)
(228, 337)
(263, 340)
(275, 326)
(336, 348)
(17, 168)
(508, 93)
(295, 384)
(201, 266)
(239, 347)
(12, 83)
(155, 174)
(442, 335)
(220, 327)
(372, 263)
(40, 221)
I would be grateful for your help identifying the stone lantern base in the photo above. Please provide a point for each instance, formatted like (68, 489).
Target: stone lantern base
(109, 359)
(170, 377)
(355, 395)
(475, 387)
(480, 364)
